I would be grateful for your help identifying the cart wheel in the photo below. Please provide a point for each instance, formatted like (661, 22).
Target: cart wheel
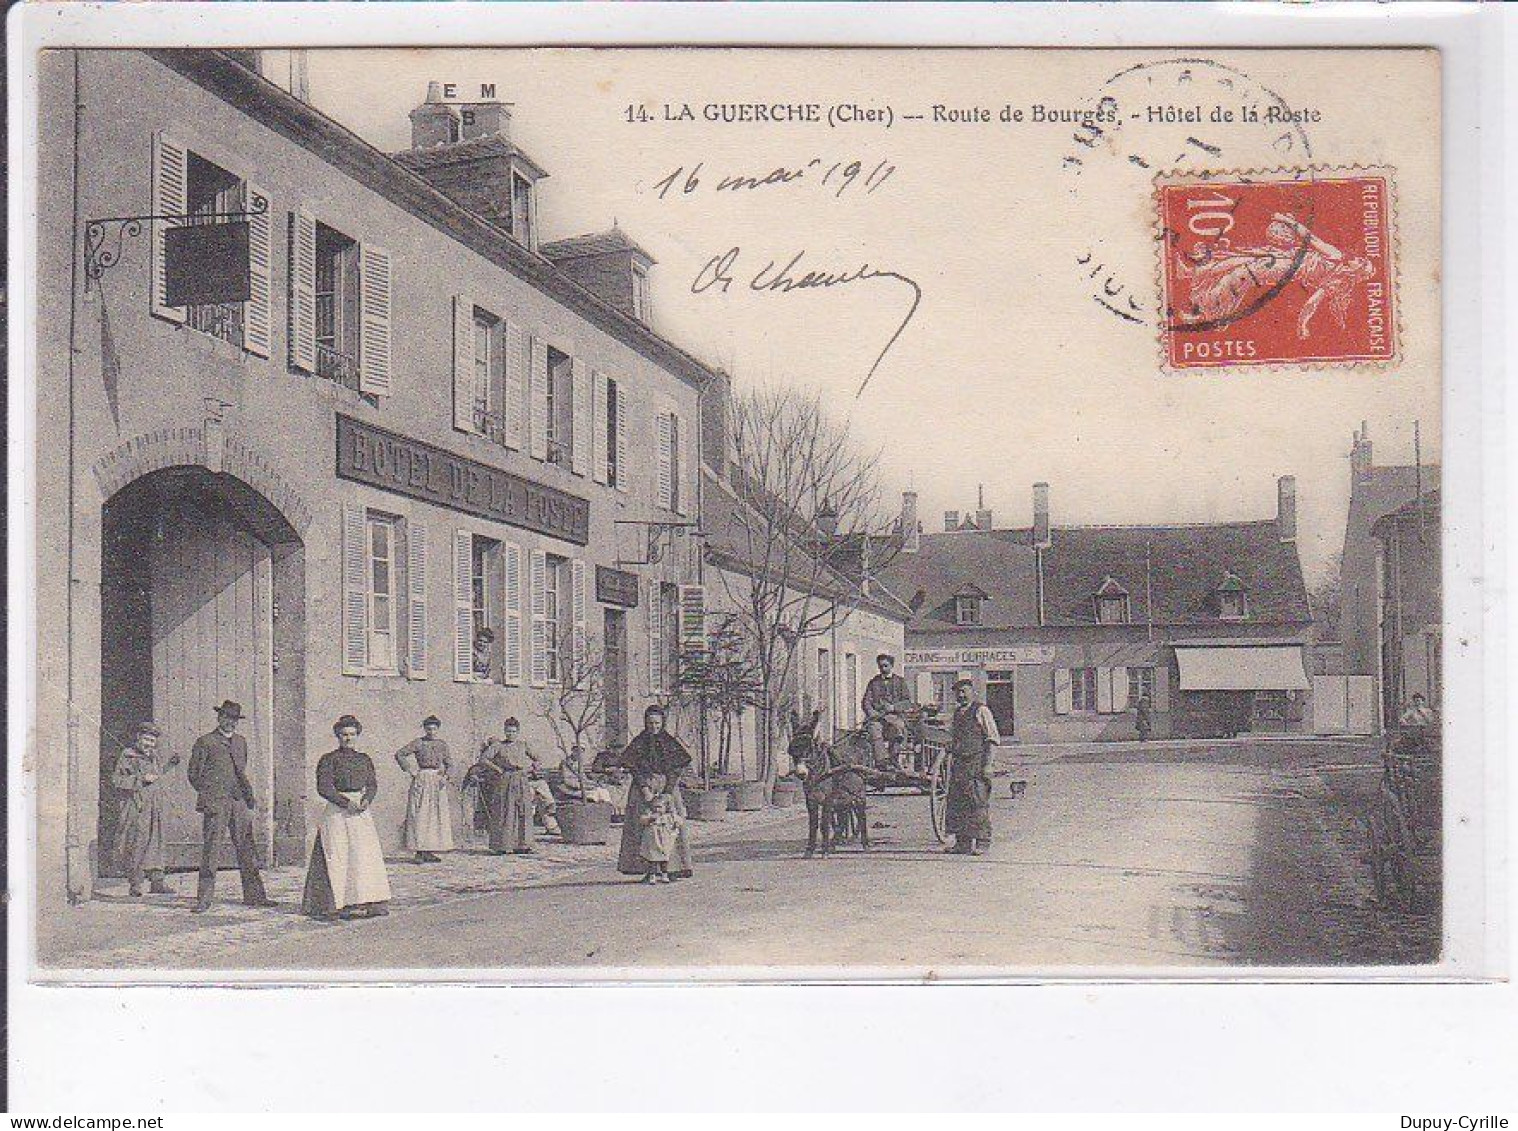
(938, 797)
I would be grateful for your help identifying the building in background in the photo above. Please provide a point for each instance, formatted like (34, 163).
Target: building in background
(304, 446)
(1065, 629)
(1375, 492)
(1411, 622)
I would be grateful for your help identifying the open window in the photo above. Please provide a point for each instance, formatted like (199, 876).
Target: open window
(558, 388)
(337, 340)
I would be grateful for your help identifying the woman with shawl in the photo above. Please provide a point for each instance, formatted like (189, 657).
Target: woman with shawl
(653, 752)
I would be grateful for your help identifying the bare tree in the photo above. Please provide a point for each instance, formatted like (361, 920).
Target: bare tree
(1326, 600)
(808, 531)
(722, 680)
(575, 703)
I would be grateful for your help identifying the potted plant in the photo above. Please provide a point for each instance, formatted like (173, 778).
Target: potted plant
(573, 706)
(719, 680)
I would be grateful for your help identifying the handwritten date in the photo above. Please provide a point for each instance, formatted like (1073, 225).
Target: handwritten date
(838, 177)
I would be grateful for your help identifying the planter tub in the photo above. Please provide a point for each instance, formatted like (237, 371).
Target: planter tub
(747, 796)
(585, 822)
(706, 804)
(788, 793)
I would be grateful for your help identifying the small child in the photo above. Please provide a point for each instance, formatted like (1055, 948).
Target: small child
(661, 825)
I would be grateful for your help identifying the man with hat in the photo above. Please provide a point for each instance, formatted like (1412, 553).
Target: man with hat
(224, 797)
(972, 742)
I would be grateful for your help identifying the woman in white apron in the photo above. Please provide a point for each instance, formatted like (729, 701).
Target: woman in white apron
(347, 877)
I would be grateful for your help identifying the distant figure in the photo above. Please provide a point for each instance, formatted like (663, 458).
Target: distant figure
(346, 878)
(972, 741)
(661, 829)
(1417, 713)
(428, 829)
(1142, 719)
(139, 836)
(484, 655)
(653, 752)
(886, 701)
(505, 796)
(219, 772)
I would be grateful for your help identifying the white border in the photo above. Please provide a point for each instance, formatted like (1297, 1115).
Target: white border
(1359, 1031)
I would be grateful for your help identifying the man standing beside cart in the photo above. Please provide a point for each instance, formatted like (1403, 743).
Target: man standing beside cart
(972, 747)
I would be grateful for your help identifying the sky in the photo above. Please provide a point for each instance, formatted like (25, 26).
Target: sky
(1008, 372)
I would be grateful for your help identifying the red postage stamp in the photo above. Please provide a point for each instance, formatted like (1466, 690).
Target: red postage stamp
(1293, 267)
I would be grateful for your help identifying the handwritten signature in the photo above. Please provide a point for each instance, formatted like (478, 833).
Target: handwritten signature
(719, 271)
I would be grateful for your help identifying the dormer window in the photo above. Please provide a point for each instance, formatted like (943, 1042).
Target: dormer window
(522, 211)
(1233, 598)
(1111, 603)
(967, 603)
(642, 299)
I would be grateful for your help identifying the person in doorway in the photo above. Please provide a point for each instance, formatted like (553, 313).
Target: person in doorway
(1143, 719)
(886, 701)
(427, 761)
(484, 655)
(501, 776)
(218, 771)
(139, 835)
(1416, 714)
(346, 878)
(652, 752)
(972, 742)
(661, 829)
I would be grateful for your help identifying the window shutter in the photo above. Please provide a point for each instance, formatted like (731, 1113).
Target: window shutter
(692, 619)
(515, 425)
(170, 185)
(580, 602)
(374, 321)
(580, 415)
(1119, 689)
(463, 364)
(512, 667)
(302, 328)
(624, 455)
(463, 607)
(1062, 697)
(1104, 691)
(598, 417)
(355, 591)
(258, 313)
(538, 583)
(537, 399)
(680, 457)
(666, 471)
(655, 625)
(416, 585)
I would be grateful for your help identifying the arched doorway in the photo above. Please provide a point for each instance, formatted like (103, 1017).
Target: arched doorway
(202, 600)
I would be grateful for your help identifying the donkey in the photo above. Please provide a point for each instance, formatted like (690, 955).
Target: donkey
(834, 785)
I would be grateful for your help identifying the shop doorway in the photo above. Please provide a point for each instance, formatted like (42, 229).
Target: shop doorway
(202, 600)
(999, 697)
(615, 648)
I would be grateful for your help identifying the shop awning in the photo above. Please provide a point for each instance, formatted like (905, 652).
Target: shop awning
(1242, 669)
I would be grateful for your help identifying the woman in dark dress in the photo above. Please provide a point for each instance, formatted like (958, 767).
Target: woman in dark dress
(653, 752)
(502, 778)
(346, 879)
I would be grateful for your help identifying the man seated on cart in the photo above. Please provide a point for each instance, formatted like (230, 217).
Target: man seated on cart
(886, 703)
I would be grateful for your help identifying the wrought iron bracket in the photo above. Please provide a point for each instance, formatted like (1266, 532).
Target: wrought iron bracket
(105, 238)
(657, 533)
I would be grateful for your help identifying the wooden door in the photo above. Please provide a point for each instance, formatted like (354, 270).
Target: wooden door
(999, 697)
(210, 584)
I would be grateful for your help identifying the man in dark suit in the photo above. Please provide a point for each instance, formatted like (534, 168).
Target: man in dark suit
(219, 772)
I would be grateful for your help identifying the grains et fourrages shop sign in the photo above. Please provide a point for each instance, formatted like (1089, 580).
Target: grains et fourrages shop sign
(366, 454)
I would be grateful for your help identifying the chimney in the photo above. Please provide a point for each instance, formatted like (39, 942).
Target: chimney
(1286, 508)
(716, 423)
(434, 122)
(826, 519)
(911, 529)
(1041, 515)
(950, 520)
(1360, 455)
(982, 514)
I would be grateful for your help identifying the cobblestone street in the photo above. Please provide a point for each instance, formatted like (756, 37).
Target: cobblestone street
(1112, 858)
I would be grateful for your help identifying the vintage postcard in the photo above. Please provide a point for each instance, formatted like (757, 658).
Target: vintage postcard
(675, 513)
